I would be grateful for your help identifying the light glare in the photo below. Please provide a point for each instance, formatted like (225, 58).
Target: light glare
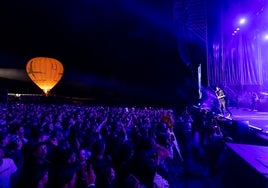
(242, 21)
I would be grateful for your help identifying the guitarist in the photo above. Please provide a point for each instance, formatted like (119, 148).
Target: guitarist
(222, 101)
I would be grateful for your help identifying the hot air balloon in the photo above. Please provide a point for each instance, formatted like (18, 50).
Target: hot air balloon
(44, 72)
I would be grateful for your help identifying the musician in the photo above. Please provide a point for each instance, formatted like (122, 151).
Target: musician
(223, 102)
(254, 101)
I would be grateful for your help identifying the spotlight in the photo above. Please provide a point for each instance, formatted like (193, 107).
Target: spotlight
(242, 21)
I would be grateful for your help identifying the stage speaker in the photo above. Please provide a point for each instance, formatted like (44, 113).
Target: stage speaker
(243, 131)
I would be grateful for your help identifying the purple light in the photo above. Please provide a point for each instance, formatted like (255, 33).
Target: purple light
(242, 21)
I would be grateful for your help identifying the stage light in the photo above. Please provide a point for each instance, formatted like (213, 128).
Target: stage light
(254, 128)
(242, 21)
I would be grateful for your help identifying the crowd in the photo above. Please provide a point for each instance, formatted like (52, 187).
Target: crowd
(79, 146)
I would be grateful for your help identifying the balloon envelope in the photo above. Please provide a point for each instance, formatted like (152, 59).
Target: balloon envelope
(44, 72)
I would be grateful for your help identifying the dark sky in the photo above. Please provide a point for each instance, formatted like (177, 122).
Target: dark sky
(122, 48)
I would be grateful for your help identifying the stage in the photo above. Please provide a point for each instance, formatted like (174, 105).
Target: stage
(246, 166)
(258, 119)
(244, 126)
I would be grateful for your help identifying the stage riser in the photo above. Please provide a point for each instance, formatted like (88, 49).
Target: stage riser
(239, 173)
(240, 132)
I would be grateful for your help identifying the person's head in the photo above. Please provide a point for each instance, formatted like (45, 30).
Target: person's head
(19, 130)
(217, 130)
(82, 155)
(105, 176)
(40, 150)
(126, 150)
(66, 177)
(69, 156)
(217, 88)
(132, 181)
(48, 128)
(39, 177)
(147, 170)
(4, 139)
(98, 148)
(15, 142)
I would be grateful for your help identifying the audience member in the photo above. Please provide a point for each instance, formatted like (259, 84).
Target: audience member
(7, 169)
(77, 145)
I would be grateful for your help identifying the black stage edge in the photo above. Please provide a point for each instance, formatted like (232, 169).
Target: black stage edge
(240, 131)
(246, 166)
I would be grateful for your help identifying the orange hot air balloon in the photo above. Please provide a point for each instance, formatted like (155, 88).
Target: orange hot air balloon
(44, 72)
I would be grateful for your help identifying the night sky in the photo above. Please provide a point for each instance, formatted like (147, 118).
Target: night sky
(109, 49)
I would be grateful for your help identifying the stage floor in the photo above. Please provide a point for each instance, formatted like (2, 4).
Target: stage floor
(255, 118)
